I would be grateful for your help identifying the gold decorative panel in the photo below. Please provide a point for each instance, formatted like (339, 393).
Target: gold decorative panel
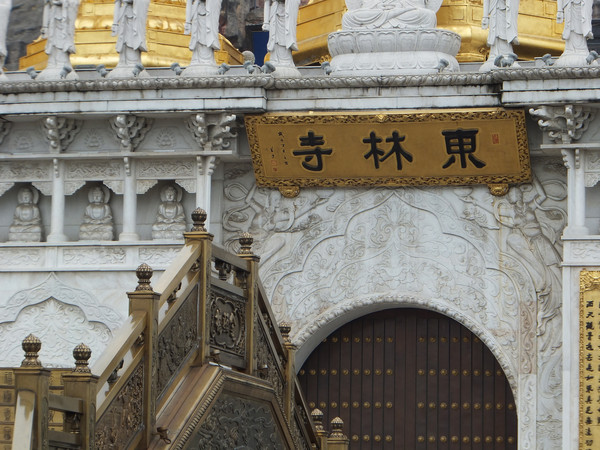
(589, 360)
(435, 147)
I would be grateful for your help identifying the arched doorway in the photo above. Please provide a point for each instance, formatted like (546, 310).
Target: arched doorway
(411, 379)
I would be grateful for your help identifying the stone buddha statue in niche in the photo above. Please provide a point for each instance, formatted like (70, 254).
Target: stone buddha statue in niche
(27, 223)
(375, 14)
(170, 220)
(97, 218)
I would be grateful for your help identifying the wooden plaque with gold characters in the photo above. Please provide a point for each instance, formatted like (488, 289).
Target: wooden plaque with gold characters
(589, 360)
(435, 147)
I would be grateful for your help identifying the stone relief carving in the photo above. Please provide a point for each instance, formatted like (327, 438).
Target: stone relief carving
(27, 222)
(165, 169)
(50, 320)
(143, 186)
(71, 187)
(94, 256)
(170, 219)
(27, 257)
(158, 257)
(21, 171)
(563, 123)
(5, 187)
(212, 132)
(456, 250)
(52, 287)
(115, 185)
(130, 130)
(166, 138)
(81, 170)
(123, 418)
(4, 129)
(234, 422)
(188, 185)
(93, 139)
(97, 218)
(60, 132)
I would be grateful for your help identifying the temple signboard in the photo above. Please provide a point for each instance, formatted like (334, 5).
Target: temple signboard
(589, 360)
(435, 147)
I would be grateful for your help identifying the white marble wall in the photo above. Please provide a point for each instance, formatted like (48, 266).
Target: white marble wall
(330, 255)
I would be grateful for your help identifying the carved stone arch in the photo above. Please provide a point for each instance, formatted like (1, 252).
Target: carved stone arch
(60, 326)
(309, 337)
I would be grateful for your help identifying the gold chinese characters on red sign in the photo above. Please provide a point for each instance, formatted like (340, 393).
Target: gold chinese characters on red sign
(589, 360)
(483, 146)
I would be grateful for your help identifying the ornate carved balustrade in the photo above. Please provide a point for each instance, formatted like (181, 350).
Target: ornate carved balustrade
(200, 353)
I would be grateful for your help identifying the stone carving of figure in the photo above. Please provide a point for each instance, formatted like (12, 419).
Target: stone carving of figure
(374, 14)
(281, 18)
(577, 16)
(170, 220)
(500, 17)
(58, 27)
(202, 23)
(27, 223)
(97, 219)
(129, 25)
(5, 7)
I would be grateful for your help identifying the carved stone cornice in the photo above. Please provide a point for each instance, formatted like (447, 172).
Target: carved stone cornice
(130, 130)
(60, 132)
(565, 123)
(212, 132)
(315, 82)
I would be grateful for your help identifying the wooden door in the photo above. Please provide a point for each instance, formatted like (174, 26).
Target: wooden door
(411, 379)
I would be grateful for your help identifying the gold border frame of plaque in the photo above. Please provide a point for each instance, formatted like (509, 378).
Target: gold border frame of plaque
(290, 181)
(589, 291)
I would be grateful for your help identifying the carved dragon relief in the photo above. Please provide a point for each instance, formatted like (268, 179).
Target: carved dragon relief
(456, 250)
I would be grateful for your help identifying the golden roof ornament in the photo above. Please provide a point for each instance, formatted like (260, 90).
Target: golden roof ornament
(31, 346)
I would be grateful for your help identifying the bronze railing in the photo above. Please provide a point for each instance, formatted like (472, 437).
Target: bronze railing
(207, 309)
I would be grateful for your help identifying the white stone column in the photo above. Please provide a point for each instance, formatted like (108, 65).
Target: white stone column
(129, 232)
(576, 193)
(206, 167)
(57, 219)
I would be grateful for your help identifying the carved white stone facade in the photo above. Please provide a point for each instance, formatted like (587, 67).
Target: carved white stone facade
(505, 267)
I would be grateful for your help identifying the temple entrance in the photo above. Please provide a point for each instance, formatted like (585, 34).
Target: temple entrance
(411, 379)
